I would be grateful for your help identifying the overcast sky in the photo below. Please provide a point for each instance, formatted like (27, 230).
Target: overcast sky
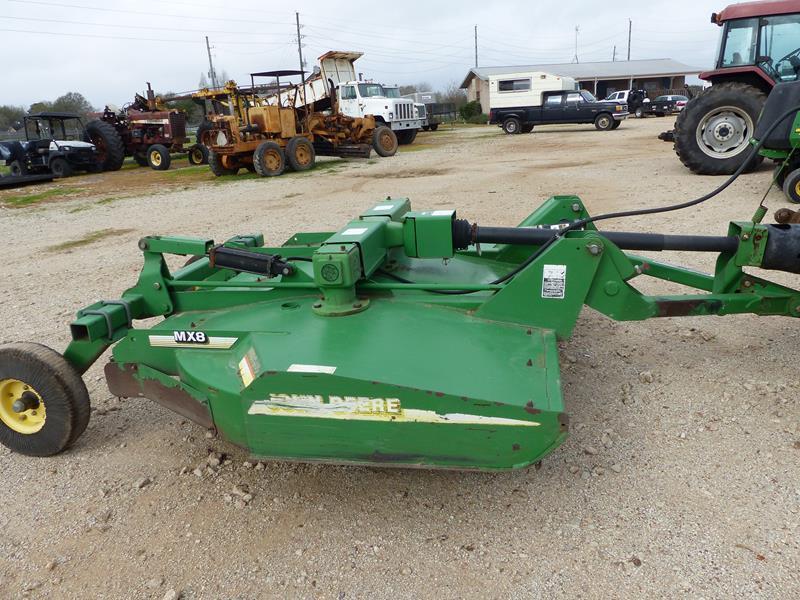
(107, 50)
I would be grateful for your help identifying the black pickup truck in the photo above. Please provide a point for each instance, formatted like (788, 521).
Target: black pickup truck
(561, 107)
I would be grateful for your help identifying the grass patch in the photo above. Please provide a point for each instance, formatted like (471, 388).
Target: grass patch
(108, 200)
(21, 200)
(89, 238)
(187, 171)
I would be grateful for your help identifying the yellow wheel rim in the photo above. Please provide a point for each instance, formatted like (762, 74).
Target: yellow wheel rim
(797, 189)
(155, 158)
(28, 421)
(302, 155)
(273, 160)
(197, 156)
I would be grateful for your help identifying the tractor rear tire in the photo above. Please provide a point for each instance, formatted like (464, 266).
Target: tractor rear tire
(198, 155)
(269, 159)
(59, 409)
(158, 157)
(59, 167)
(215, 164)
(604, 122)
(791, 186)
(300, 154)
(384, 141)
(708, 110)
(110, 149)
(512, 126)
(407, 136)
(18, 169)
(140, 158)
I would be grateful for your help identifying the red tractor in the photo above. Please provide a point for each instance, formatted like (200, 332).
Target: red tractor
(759, 47)
(146, 130)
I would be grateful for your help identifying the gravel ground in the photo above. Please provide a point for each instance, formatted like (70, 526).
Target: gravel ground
(680, 477)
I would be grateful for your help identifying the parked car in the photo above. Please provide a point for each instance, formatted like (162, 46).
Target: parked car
(559, 107)
(637, 101)
(667, 105)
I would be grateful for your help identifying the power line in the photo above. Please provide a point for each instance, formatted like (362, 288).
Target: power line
(146, 13)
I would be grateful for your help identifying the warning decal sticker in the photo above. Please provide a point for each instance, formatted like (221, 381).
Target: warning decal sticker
(554, 281)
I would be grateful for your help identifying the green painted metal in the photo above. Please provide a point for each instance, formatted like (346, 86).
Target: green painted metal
(384, 346)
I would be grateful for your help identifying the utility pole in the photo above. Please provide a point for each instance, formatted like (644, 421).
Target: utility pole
(630, 25)
(575, 58)
(300, 54)
(212, 74)
(614, 55)
(476, 46)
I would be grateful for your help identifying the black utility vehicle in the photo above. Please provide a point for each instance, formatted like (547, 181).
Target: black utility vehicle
(561, 107)
(54, 143)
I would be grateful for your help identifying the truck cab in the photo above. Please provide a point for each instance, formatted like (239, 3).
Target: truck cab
(361, 98)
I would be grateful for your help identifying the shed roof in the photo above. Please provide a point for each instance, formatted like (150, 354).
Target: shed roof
(620, 69)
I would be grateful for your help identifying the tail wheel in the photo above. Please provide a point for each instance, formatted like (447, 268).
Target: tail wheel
(44, 405)
(300, 154)
(218, 165)
(198, 155)
(384, 141)
(269, 159)
(791, 186)
(110, 149)
(158, 157)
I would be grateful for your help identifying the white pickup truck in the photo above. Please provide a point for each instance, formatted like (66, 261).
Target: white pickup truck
(336, 78)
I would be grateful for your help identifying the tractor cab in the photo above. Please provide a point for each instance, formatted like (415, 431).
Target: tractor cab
(767, 45)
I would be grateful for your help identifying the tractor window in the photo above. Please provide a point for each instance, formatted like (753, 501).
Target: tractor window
(780, 41)
(740, 43)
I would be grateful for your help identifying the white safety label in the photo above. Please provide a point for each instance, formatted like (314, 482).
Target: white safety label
(554, 281)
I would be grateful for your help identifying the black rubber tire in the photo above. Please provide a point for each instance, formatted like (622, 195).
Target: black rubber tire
(59, 167)
(198, 155)
(616, 124)
(215, 164)
(434, 127)
(300, 154)
(746, 97)
(158, 157)
(109, 144)
(204, 126)
(269, 151)
(384, 141)
(512, 126)
(527, 127)
(140, 159)
(406, 137)
(791, 186)
(604, 122)
(639, 113)
(18, 168)
(60, 387)
(426, 128)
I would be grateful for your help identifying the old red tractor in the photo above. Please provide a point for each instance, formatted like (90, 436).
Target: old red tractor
(145, 129)
(759, 47)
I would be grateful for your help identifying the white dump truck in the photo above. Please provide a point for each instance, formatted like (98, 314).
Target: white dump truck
(335, 79)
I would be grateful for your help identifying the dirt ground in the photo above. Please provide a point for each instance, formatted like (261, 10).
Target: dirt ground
(681, 476)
